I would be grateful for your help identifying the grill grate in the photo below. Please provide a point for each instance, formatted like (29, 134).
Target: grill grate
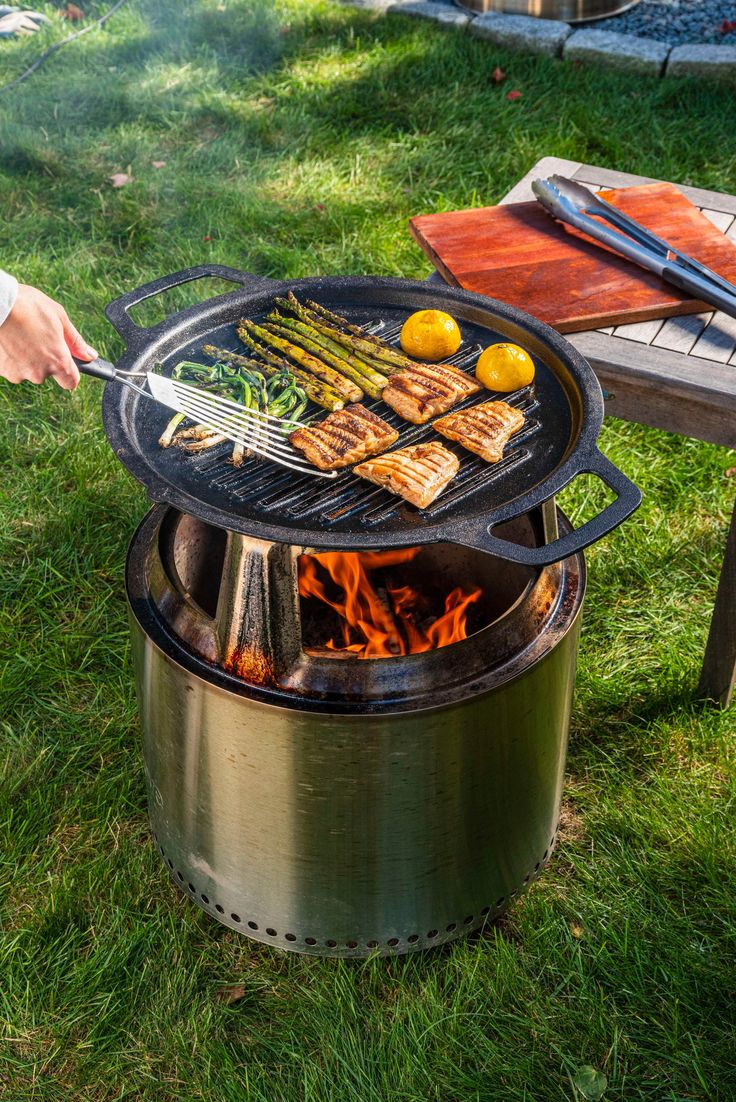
(272, 491)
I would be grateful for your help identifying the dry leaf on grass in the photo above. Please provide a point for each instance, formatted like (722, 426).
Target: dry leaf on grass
(230, 994)
(120, 179)
(498, 75)
(158, 164)
(72, 13)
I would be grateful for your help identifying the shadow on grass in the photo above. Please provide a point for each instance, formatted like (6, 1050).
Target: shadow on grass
(407, 75)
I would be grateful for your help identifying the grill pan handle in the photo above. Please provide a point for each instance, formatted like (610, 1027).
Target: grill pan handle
(628, 499)
(117, 311)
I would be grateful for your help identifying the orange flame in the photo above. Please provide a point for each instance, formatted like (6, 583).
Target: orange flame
(380, 619)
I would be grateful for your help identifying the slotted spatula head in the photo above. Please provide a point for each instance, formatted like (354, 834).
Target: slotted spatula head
(258, 431)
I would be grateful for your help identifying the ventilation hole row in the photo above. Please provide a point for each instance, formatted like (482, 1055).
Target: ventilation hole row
(330, 943)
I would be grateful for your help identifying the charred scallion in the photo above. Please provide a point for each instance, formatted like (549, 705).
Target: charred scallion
(240, 380)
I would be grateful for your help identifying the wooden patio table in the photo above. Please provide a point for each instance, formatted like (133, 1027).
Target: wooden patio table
(677, 374)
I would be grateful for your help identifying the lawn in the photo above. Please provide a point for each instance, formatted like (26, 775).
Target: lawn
(298, 138)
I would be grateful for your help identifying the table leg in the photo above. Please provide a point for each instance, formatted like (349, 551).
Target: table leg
(719, 665)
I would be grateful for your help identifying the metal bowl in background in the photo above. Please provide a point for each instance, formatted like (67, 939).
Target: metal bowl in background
(570, 11)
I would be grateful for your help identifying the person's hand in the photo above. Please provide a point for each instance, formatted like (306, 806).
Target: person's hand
(37, 341)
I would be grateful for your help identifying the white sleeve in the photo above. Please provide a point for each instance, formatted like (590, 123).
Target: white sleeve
(8, 291)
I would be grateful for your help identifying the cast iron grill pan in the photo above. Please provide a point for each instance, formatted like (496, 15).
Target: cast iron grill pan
(563, 411)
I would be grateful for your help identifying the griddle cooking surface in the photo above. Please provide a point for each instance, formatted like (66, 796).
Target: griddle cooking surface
(349, 497)
(263, 489)
(563, 411)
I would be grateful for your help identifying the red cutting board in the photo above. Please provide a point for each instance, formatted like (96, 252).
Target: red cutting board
(517, 253)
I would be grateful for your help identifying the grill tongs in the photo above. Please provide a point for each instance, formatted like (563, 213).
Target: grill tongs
(575, 204)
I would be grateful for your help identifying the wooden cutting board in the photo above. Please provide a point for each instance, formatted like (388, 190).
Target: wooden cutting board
(517, 253)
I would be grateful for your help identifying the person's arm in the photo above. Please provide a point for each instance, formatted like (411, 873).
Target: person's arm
(8, 293)
(37, 340)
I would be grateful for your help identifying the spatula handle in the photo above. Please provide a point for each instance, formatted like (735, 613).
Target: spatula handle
(98, 369)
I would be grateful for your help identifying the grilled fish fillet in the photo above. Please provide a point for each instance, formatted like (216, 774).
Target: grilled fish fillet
(344, 437)
(484, 429)
(418, 473)
(424, 390)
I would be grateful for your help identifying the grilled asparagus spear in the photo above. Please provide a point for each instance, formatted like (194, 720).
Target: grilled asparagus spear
(343, 362)
(317, 367)
(370, 347)
(335, 339)
(343, 323)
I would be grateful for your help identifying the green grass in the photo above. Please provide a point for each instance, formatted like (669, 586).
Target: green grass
(298, 138)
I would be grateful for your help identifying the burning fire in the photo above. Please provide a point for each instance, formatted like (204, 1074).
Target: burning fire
(381, 618)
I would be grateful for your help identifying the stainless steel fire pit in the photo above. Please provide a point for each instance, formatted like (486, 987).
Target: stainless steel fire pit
(321, 801)
(342, 806)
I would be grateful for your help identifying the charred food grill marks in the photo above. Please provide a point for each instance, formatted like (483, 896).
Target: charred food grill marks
(417, 473)
(344, 437)
(484, 429)
(420, 392)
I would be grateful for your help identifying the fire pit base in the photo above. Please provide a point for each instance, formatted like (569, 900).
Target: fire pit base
(348, 827)
(382, 945)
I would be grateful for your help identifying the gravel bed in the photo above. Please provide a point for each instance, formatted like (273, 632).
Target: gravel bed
(678, 22)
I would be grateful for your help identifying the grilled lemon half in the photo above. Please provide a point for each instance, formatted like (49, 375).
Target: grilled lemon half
(504, 367)
(430, 335)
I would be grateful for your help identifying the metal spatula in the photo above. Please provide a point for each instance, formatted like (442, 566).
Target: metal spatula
(258, 431)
